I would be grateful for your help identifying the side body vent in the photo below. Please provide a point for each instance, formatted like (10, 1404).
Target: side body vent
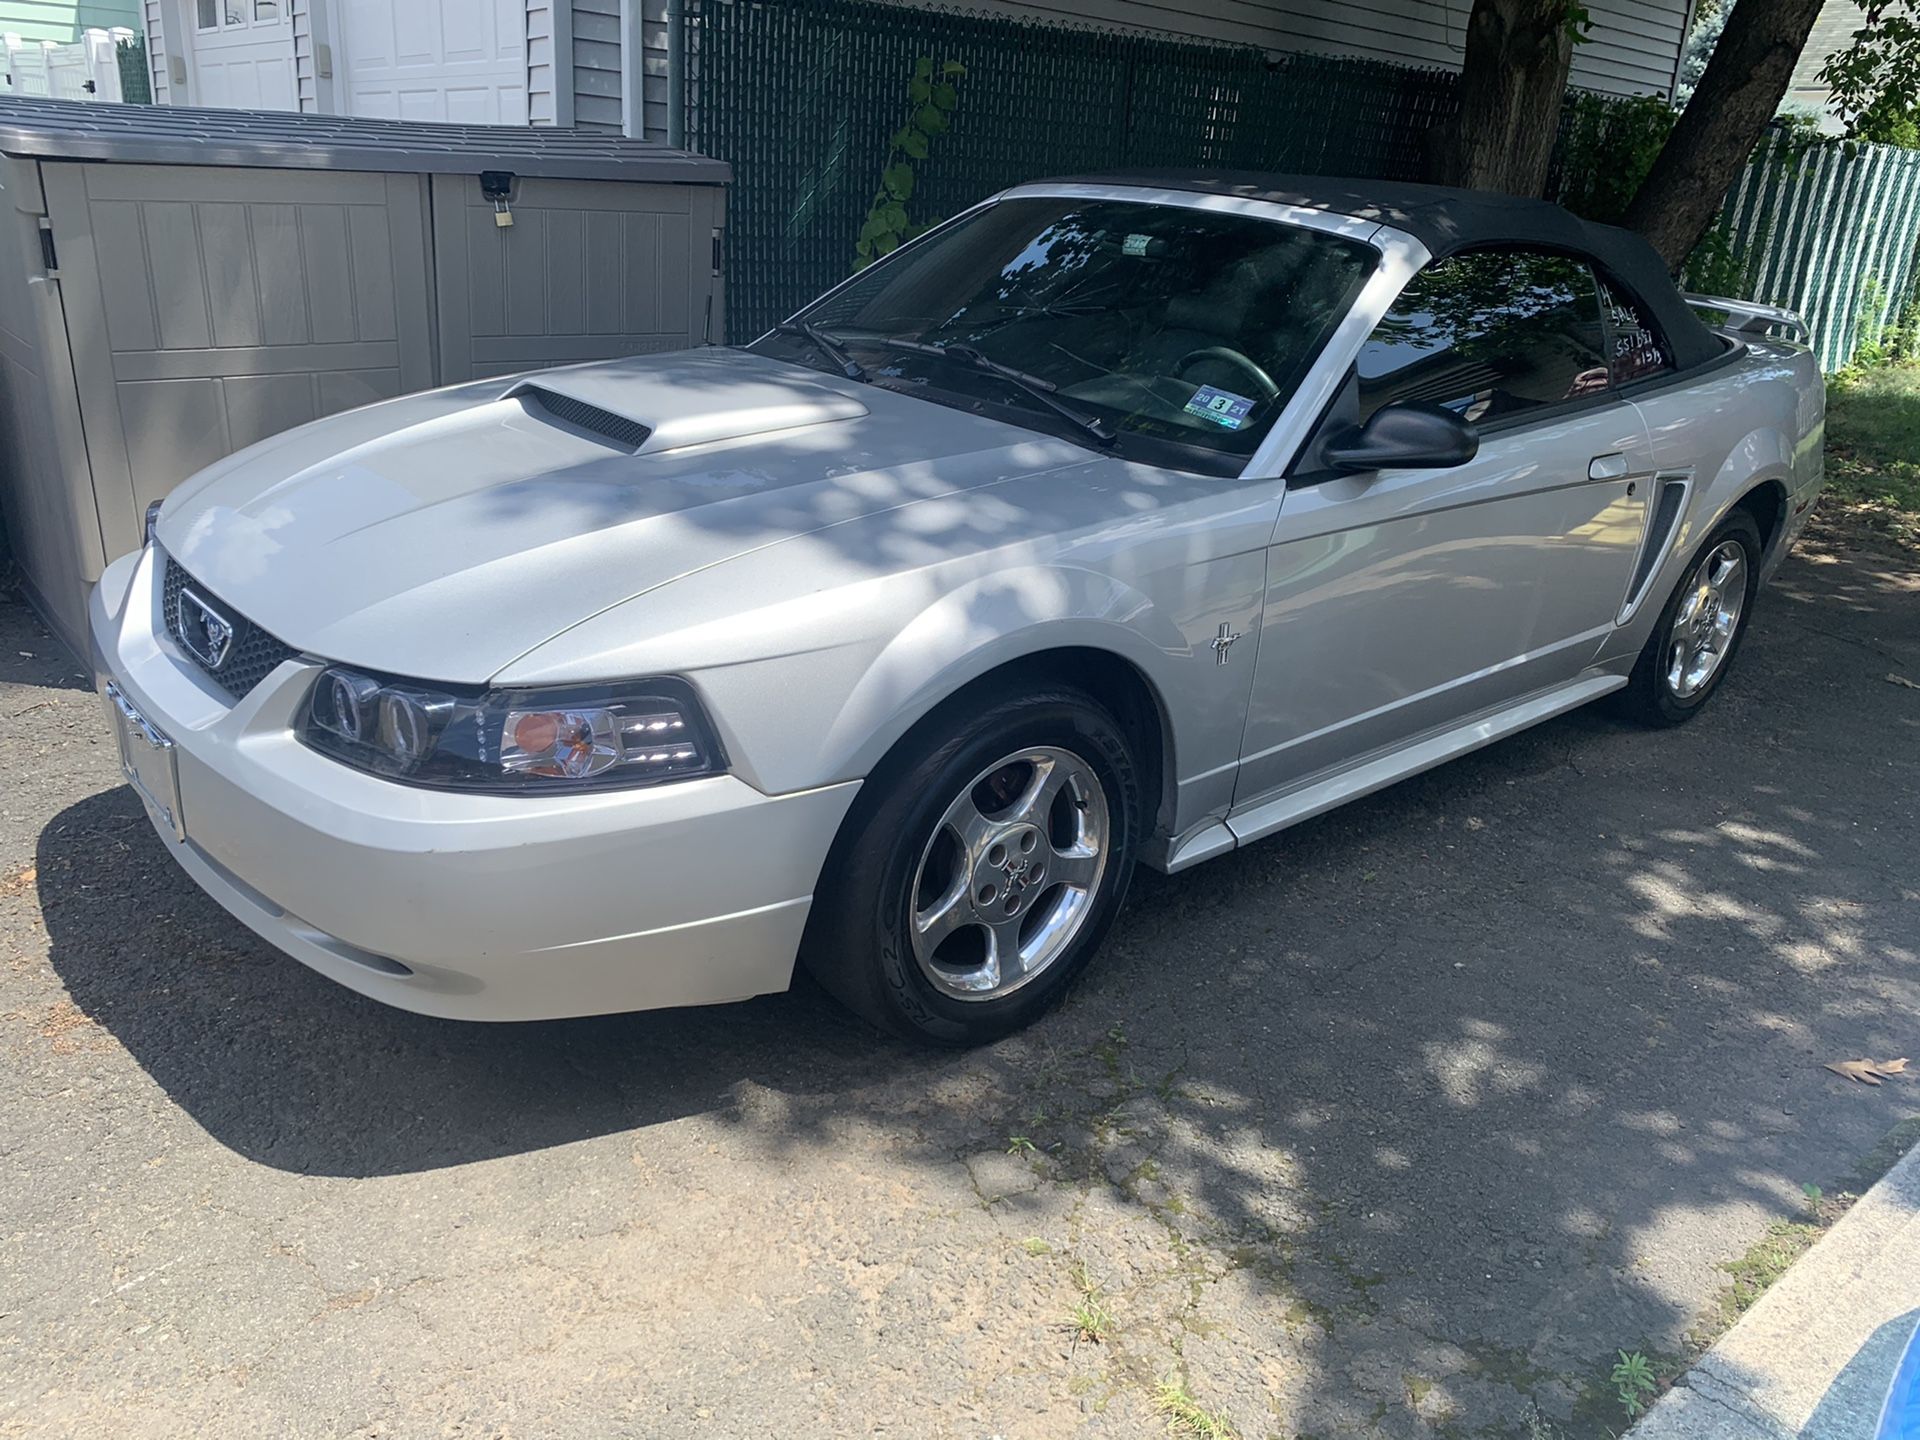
(616, 430)
(1669, 504)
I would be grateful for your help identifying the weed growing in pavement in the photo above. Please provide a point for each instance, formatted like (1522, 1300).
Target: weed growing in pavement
(1090, 1319)
(1186, 1416)
(1633, 1383)
(1020, 1145)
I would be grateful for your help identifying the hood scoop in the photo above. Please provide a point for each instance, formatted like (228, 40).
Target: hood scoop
(704, 397)
(619, 431)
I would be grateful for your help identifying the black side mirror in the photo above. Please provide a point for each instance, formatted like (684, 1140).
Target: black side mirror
(1407, 436)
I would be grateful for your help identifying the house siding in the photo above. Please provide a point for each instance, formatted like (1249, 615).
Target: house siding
(549, 36)
(597, 103)
(157, 57)
(306, 76)
(596, 65)
(1832, 32)
(1632, 48)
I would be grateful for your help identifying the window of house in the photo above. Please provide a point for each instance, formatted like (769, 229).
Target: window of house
(1490, 334)
(226, 14)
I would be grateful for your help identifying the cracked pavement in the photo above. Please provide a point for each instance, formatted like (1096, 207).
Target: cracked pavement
(1399, 1124)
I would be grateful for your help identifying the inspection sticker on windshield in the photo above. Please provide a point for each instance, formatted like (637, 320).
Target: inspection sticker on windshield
(1223, 407)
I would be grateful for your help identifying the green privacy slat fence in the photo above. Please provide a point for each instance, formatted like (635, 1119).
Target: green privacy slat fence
(1823, 226)
(136, 81)
(802, 95)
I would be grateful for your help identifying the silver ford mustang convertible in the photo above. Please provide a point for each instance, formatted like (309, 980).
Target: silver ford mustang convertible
(1116, 521)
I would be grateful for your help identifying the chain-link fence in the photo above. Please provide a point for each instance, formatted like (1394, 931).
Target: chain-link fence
(802, 97)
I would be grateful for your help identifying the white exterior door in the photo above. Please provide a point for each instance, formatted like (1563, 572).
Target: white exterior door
(242, 54)
(462, 62)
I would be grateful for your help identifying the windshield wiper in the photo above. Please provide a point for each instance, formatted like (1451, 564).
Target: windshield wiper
(826, 344)
(1042, 390)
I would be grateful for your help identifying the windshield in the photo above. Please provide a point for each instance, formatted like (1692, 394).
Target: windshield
(1174, 332)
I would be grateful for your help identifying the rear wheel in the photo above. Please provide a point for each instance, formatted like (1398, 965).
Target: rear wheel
(1694, 640)
(979, 871)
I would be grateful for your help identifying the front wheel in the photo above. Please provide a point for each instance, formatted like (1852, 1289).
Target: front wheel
(977, 875)
(1694, 640)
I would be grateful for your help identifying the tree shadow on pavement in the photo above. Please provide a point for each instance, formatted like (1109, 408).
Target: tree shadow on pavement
(1441, 1096)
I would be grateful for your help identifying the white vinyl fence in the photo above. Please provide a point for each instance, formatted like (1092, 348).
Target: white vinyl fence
(87, 69)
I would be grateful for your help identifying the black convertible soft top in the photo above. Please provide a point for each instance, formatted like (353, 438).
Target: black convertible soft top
(1446, 220)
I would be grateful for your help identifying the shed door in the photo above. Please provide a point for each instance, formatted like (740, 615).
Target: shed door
(208, 309)
(588, 270)
(242, 54)
(462, 62)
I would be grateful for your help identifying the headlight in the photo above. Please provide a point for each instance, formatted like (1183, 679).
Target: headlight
(513, 741)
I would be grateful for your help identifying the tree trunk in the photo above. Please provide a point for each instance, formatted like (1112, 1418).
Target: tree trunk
(1511, 87)
(1736, 97)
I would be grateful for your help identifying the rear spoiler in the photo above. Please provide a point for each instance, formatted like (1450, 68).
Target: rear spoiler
(1747, 317)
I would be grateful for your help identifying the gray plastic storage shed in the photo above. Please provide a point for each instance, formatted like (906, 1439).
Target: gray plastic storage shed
(178, 283)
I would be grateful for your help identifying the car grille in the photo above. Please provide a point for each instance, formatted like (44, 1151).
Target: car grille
(253, 654)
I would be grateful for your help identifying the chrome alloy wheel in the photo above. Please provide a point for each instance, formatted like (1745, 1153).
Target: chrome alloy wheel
(1708, 619)
(1009, 876)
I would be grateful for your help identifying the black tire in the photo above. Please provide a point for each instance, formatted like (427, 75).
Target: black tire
(1650, 697)
(858, 943)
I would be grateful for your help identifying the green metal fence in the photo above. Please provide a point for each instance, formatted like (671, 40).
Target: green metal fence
(1828, 229)
(136, 80)
(801, 96)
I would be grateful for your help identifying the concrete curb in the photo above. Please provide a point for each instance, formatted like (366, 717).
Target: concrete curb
(1812, 1360)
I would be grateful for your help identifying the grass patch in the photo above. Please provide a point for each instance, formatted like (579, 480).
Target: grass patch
(1752, 1274)
(1090, 1319)
(1186, 1416)
(1873, 438)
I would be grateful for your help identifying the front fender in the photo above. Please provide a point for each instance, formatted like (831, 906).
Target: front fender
(982, 626)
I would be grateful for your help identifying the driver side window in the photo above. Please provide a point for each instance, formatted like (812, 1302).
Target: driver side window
(1489, 334)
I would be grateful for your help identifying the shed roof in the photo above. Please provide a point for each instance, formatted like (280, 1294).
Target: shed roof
(1446, 220)
(283, 140)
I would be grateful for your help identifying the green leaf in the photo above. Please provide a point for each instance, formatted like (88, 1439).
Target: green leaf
(887, 244)
(953, 67)
(865, 247)
(919, 91)
(899, 181)
(904, 137)
(914, 143)
(932, 121)
(923, 67)
(874, 228)
(945, 96)
(895, 216)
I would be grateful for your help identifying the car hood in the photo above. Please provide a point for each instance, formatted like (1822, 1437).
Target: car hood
(446, 534)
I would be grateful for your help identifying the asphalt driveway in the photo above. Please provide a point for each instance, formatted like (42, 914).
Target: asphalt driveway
(1400, 1124)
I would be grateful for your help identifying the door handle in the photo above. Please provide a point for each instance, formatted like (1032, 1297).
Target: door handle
(1607, 467)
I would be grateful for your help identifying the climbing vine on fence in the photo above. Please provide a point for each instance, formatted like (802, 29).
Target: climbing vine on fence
(933, 97)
